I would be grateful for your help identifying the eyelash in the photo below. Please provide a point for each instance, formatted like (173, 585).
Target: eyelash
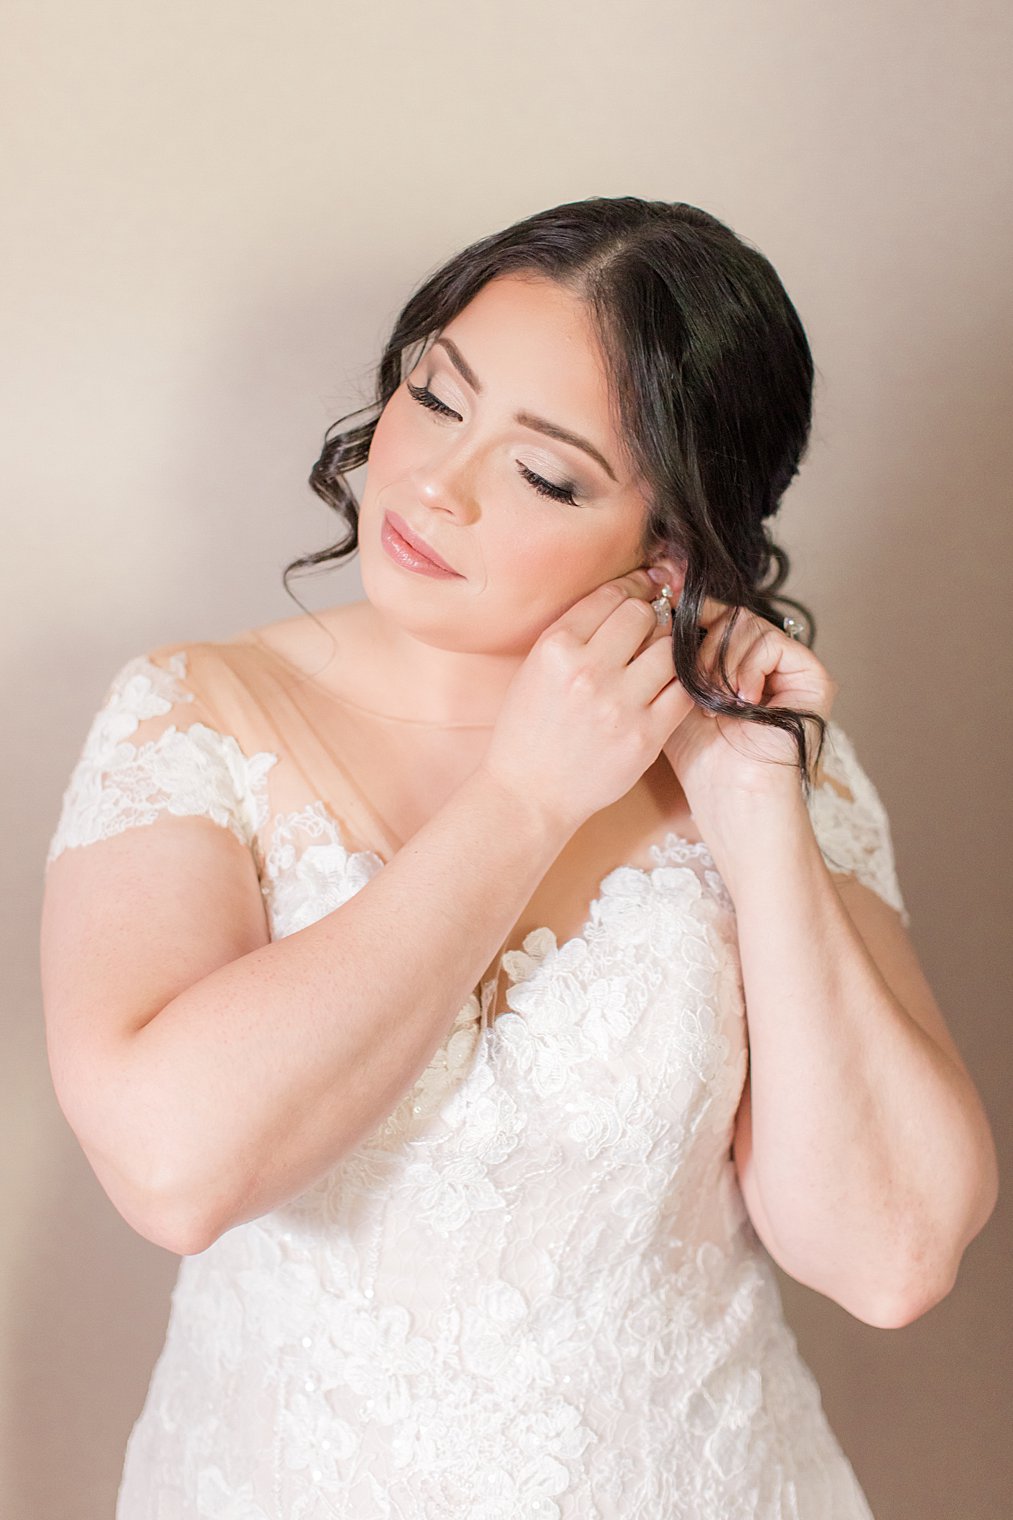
(425, 397)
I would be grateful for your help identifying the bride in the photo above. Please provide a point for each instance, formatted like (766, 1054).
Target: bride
(459, 1248)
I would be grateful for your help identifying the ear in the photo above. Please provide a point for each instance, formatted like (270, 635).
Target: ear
(675, 572)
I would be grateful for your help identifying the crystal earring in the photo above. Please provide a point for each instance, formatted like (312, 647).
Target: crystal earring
(662, 605)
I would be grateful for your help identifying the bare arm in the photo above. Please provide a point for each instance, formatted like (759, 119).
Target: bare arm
(249, 1085)
(211, 1075)
(862, 1147)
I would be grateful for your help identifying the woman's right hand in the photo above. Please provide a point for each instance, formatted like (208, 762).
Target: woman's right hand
(591, 706)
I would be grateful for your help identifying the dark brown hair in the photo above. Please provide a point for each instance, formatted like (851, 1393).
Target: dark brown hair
(712, 381)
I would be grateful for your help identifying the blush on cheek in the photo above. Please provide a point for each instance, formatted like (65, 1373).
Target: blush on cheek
(383, 445)
(547, 588)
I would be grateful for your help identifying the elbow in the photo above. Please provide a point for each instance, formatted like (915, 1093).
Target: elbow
(889, 1301)
(930, 1267)
(158, 1215)
(183, 1235)
(894, 1307)
(917, 1283)
(162, 1222)
(186, 1220)
(142, 1179)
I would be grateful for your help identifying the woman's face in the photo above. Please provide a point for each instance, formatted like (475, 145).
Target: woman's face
(469, 479)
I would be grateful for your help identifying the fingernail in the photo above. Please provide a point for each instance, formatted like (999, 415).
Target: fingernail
(658, 575)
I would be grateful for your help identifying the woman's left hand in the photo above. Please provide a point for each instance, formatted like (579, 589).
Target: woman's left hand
(713, 755)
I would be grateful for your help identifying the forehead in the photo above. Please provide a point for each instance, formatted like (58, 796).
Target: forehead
(531, 340)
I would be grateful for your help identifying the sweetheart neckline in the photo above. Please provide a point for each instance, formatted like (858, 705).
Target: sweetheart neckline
(671, 842)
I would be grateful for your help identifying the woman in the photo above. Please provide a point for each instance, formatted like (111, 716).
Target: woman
(460, 1243)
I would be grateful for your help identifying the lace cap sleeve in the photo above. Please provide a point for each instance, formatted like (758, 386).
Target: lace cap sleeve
(153, 749)
(851, 823)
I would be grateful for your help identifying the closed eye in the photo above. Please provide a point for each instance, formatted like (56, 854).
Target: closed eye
(563, 492)
(425, 397)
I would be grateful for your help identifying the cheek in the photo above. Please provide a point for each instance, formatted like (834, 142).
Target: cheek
(526, 568)
(390, 446)
(542, 575)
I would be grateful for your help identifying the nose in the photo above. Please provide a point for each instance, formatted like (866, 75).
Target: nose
(447, 484)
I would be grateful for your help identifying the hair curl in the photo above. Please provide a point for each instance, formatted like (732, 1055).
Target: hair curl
(711, 389)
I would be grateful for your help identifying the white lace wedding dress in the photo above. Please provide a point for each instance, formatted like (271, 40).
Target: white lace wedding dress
(534, 1289)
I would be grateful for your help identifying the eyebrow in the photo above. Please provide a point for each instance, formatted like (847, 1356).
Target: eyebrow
(526, 419)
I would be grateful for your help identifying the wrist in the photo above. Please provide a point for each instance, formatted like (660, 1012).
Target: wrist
(749, 833)
(520, 809)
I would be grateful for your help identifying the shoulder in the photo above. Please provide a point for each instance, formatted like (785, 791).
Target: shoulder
(850, 819)
(174, 683)
(220, 680)
(172, 690)
(842, 773)
(159, 744)
(190, 704)
(166, 668)
(841, 785)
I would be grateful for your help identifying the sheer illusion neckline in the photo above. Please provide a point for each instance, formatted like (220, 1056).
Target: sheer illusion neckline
(370, 712)
(668, 849)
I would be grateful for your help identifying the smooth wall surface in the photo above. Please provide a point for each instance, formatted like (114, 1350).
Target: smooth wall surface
(213, 212)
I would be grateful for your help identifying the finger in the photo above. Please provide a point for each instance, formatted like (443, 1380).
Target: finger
(650, 671)
(670, 707)
(739, 638)
(750, 679)
(625, 631)
(771, 663)
(588, 613)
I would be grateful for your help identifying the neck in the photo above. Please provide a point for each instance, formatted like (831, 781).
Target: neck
(417, 682)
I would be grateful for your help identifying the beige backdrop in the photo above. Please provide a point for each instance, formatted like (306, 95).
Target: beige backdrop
(215, 210)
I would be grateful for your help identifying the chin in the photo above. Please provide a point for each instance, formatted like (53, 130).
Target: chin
(408, 602)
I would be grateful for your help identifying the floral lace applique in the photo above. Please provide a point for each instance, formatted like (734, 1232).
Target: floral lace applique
(196, 771)
(852, 826)
(534, 1287)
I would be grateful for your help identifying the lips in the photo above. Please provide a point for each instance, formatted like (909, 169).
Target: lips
(417, 542)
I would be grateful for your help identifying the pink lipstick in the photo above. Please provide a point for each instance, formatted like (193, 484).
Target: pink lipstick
(409, 551)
